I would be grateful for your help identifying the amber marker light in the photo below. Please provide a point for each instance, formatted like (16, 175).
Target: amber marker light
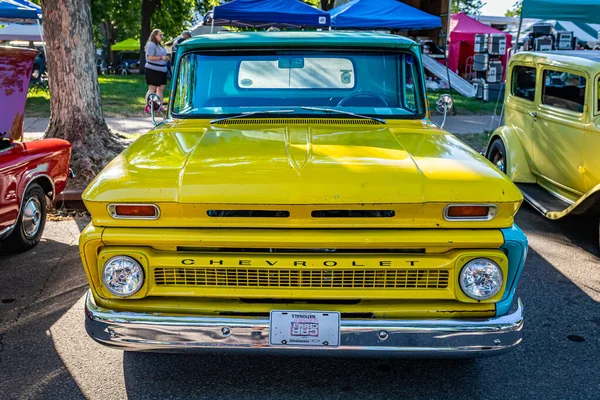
(467, 212)
(133, 211)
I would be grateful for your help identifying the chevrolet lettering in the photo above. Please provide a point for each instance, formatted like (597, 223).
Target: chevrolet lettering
(298, 199)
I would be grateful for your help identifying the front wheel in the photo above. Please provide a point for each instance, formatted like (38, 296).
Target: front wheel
(497, 155)
(31, 221)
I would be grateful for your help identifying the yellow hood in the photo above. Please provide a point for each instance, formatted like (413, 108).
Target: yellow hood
(189, 161)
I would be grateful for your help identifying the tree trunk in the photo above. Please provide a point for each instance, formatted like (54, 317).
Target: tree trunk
(75, 111)
(327, 5)
(148, 9)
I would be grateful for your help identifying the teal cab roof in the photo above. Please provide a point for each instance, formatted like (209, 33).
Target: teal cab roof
(296, 39)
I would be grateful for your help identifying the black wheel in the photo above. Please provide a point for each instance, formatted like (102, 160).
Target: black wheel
(31, 221)
(497, 155)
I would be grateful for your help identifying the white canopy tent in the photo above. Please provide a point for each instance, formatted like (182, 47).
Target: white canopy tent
(24, 32)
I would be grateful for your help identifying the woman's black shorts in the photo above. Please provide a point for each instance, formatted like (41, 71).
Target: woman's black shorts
(155, 78)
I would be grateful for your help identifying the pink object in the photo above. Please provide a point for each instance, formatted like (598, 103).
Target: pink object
(15, 72)
(462, 41)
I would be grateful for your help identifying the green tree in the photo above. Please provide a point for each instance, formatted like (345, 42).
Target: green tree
(515, 11)
(472, 7)
(204, 6)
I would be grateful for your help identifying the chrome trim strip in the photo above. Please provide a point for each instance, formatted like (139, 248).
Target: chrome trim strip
(427, 338)
(493, 210)
(5, 232)
(112, 212)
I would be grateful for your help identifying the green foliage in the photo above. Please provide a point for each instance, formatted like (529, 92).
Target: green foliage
(472, 7)
(204, 6)
(173, 16)
(515, 11)
(124, 16)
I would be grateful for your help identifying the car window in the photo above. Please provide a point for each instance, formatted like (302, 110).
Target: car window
(523, 82)
(564, 90)
(598, 95)
(374, 83)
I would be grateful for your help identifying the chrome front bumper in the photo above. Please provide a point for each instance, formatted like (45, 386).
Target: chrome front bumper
(404, 338)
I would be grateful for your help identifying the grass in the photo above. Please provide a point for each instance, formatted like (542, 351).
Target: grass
(121, 96)
(464, 105)
(478, 141)
(124, 96)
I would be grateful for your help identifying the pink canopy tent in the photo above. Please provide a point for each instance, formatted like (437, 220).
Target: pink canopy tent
(462, 41)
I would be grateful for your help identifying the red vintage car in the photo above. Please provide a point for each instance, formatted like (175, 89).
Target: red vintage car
(29, 171)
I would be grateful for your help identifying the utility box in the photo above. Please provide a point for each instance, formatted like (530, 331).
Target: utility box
(480, 62)
(543, 43)
(494, 72)
(564, 40)
(542, 29)
(481, 43)
(497, 44)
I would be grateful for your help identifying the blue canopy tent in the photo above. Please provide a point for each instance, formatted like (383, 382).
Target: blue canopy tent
(13, 11)
(381, 14)
(268, 13)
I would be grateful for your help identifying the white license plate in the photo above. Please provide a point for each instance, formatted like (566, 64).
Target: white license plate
(304, 328)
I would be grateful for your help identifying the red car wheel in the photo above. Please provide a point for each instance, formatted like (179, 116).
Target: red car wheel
(31, 222)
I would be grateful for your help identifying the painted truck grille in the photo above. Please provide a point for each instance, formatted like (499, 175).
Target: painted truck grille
(295, 278)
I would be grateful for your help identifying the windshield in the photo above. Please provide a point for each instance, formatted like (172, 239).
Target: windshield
(377, 84)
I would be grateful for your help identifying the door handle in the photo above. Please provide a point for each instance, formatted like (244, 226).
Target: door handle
(533, 114)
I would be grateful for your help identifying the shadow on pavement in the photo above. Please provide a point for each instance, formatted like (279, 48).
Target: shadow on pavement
(581, 231)
(36, 289)
(241, 377)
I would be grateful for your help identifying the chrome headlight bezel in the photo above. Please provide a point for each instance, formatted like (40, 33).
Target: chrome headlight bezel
(493, 271)
(135, 264)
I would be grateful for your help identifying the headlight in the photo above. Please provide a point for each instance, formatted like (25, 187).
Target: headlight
(480, 279)
(123, 276)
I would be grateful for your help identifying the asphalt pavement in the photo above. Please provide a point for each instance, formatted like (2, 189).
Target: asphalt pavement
(45, 352)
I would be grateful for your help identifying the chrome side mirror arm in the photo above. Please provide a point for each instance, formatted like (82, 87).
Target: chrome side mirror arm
(444, 104)
(153, 102)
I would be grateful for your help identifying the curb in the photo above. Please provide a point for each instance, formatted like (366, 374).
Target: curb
(69, 199)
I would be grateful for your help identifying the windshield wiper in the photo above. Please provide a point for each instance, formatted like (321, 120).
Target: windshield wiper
(333, 110)
(251, 113)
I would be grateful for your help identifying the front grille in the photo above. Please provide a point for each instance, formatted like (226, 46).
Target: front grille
(303, 278)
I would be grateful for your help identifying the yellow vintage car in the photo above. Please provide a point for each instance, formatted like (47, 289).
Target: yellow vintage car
(550, 145)
(298, 199)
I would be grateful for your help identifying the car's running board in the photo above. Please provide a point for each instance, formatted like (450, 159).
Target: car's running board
(541, 199)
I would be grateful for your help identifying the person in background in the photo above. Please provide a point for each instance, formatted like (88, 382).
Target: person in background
(156, 67)
(184, 35)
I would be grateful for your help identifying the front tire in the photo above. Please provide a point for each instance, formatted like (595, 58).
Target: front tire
(31, 221)
(497, 155)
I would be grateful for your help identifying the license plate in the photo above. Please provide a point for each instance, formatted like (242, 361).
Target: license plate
(304, 328)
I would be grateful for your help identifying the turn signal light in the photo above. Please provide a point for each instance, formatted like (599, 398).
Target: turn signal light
(470, 212)
(133, 211)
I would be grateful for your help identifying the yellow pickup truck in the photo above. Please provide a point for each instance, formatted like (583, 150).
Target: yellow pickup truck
(298, 199)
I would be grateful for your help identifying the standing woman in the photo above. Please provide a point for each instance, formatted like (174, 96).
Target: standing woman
(156, 67)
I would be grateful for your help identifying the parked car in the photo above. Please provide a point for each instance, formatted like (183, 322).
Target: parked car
(298, 199)
(551, 141)
(29, 171)
(128, 63)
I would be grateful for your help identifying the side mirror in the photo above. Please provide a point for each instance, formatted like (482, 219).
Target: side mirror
(443, 105)
(154, 104)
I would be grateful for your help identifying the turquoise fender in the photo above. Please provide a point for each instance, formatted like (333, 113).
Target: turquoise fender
(516, 247)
